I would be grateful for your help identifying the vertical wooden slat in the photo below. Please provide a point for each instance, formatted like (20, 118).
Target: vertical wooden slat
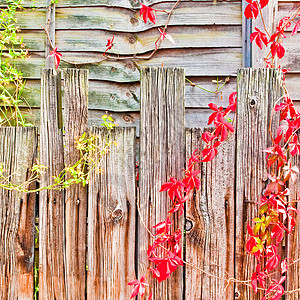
(162, 150)
(293, 241)
(111, 218)
(75, 124)
(17, 214)
(51, 206)
(210, 223)
(257, 89)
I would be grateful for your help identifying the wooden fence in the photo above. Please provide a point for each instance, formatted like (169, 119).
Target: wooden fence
(91, 239)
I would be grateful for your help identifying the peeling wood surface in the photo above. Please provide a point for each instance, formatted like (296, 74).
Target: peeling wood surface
(75, 124)
(257, 91)
(161, 156)
(18, 149)
(52, 284)
(210, 223)
(111, 218)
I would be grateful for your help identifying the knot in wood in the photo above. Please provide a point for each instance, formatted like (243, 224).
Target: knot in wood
(236, 295)
(188, 225)
(77, 202)
(127, 118)
(134, 21)
(117, 214)
(131, 39)
(252, 102)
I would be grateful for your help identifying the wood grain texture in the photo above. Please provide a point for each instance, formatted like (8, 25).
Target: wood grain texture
(117, 19)
(128, 43)
(193, 117)
(110, 3)
(75, 124)
(125, 97)
(31, 19)
(111, 218)
(210, 223)
(257, 91)
(18, 147)
(161, 156)
(199, 62)
(293, 242)
(51, 207)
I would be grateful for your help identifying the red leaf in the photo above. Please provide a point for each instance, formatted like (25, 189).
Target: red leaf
(259, 37)
(277, 48)
(56, 55)
(296, 28)
(263, 3)
(109, 44)
(209, 154)
(251, 10)
(139, 287)
(147, 13)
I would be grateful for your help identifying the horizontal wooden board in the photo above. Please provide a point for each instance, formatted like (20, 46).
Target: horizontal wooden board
(124, 43)
(31, 19)
(113, 3)
(116, 19)
(184, 37)
(291, 58)
(193, 118)
(126, 97)
(199, 62)
(286, 9)
(292, 82)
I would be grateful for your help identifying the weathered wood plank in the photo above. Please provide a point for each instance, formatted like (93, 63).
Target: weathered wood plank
(193, 117)
(125, 97)
(286, 8)
(199, 62)
(31, 19)
(96, 40)
(75, 124)
(111, 217)
(292, 83)
(51, 207)
(109, 3)
(257, 89)
(161, 156)
(18, 147)
(293, 242)
(210, 223)
(125, 44)
(116, 19)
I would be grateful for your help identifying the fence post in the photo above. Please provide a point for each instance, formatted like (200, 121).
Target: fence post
(18, 148)
(51, 204)
(111, 216)
(257, 91)
(75, 124)
(210, 222)
(162, 149)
